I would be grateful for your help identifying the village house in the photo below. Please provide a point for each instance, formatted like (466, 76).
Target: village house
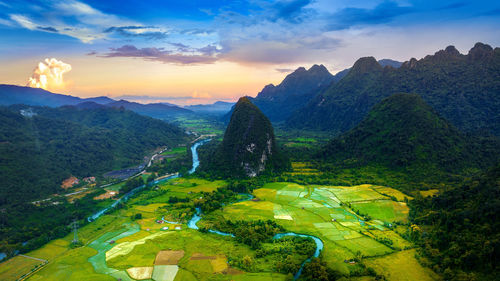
(89, 179)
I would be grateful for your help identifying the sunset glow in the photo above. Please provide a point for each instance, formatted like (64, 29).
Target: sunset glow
(183, 53)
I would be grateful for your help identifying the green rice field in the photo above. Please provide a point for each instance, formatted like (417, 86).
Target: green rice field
(115, 246)
(324, 211)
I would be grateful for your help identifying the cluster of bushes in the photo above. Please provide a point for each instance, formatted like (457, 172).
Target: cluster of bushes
(251, 233)
(131, 184)
(211, 201)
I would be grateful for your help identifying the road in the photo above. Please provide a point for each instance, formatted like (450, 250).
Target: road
(108, 184)
(203, 136)
(140, 173)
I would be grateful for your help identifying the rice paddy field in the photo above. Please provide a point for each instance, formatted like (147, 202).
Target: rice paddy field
(329, 212)
(401, 266)
(199, 125)
(117, 247)
(303, 168)
(17, 266)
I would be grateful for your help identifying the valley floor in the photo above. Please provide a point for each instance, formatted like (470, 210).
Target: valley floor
(116, 247)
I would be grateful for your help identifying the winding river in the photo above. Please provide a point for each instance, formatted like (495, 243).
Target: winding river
(319, 244)
(194, 153)
(196, 164)
(198, 215)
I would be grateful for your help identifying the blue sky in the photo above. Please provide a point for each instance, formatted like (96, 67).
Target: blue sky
(265, 35)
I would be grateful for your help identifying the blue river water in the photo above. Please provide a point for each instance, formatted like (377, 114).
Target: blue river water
(194, 152)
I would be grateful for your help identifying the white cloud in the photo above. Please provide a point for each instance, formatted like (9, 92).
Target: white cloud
(89, 25)
(88, 15)
(6, 22)
(23, 21)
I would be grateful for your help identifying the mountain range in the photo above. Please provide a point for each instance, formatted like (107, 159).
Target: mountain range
(298, 88)
(216, 108)
(11, 94)
(155, 110)
(461, 88)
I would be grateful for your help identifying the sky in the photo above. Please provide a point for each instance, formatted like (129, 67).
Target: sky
(201, 51)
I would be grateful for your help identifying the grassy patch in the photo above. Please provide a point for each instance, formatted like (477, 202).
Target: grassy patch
(165, 272)
(401, 266)
(168, 257)
(183, 185)
(16, 267)
(356, 193)
(385, 210)
(391, 192)
(430, 192)
(175, 151)
(51, 250)
(140, 273)
(72, 265)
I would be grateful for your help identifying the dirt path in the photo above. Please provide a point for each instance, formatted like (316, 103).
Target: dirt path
(42, 260)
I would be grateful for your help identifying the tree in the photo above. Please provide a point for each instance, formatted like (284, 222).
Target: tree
(317, 271)
(247, 262)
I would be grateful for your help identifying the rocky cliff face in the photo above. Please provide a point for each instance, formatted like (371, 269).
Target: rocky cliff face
(249, 147)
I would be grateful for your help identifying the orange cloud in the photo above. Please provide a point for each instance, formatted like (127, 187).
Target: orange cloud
(49, 74)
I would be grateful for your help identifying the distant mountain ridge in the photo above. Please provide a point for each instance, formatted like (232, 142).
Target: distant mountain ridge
(462, 88)
(216, 108)
(389, 62)
(11, 94)
(298, 87)
(155, 110)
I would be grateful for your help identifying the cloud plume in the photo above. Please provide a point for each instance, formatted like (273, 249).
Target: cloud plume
(49, 74)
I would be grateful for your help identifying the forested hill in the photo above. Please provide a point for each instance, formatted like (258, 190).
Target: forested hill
(155, 110)
(12, 95)
(249, 147)
(404, 133)
(461, 88)
(42, 146)
(460, 229)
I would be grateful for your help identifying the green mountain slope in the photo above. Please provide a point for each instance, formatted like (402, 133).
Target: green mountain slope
(404, 133)
(39, 151)
(461, 88)
(249, 147)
